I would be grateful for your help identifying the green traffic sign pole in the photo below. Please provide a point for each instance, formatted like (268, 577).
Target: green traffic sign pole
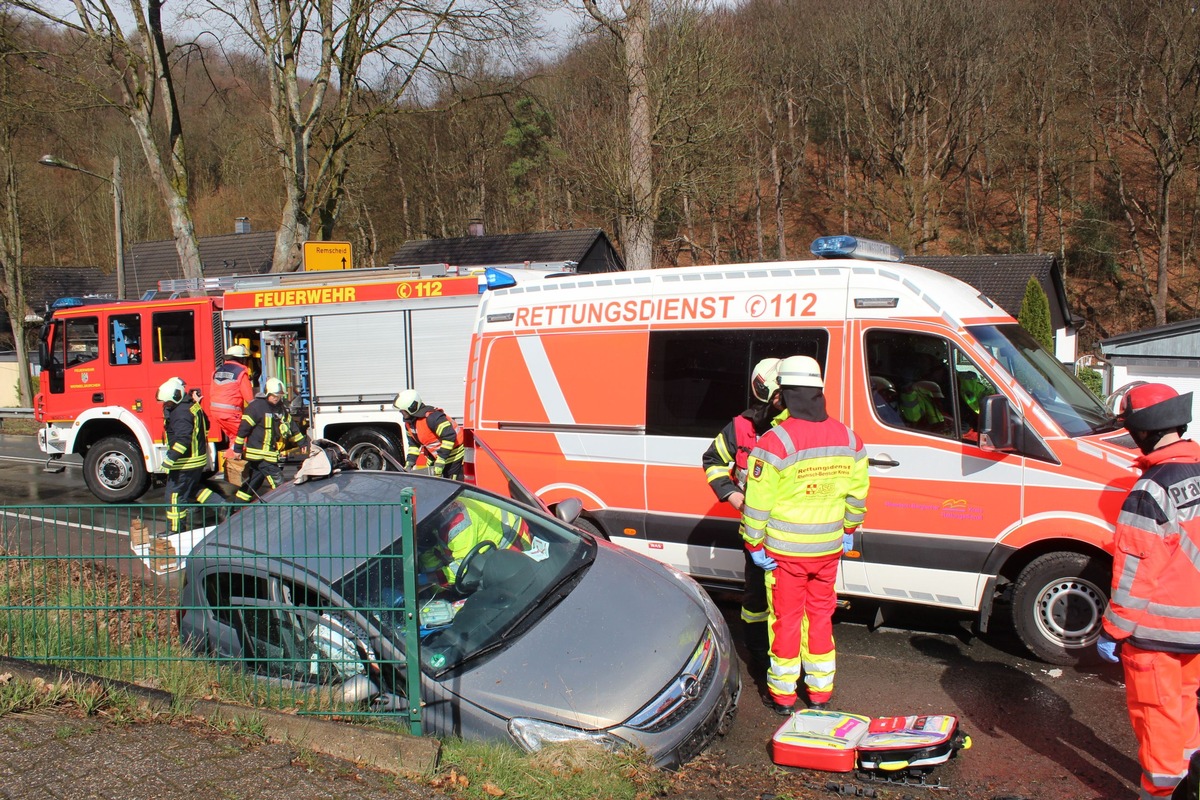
(412, 638)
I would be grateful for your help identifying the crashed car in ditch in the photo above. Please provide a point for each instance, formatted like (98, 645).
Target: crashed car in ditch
(538, 633)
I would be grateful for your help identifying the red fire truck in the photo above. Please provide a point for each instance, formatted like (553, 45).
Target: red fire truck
(343, 342)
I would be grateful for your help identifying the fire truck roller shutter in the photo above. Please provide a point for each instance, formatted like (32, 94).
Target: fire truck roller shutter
(359, 356)
(441, 344)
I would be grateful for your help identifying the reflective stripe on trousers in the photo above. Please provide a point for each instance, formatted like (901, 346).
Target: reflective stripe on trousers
(801, 600)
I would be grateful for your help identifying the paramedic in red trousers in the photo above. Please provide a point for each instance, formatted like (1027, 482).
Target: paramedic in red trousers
(1152, 625)
(725, 470)
(266, 431)
(431, 431)
(805, 496)
(186, 429)
(231, 392)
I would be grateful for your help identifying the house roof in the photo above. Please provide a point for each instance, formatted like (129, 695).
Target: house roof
(1003, 278)
(1179, 341)
(44, 285)
(147, 263)
(543, 246)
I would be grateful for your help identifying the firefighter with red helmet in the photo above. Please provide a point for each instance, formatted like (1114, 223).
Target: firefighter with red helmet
(805, 496)
(1152, 625)
(430, 432)
(231, 392)
(185, 429)
(724, 465)
(266, 430)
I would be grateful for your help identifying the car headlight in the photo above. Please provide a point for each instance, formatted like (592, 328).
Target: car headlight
(534, 734)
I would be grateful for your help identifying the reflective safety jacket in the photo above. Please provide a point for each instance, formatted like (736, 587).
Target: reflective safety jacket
(428, 427)
(1155, 601)
(918, 407)
(231, 390)
(469, 522)
(725, 459)
(185, 428)
(807, 486)
(266, 429)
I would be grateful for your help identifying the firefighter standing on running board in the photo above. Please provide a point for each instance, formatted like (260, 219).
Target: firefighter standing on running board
(231, 392)
(266, 430)
(724, 465)
(186, 432)
(427, 426)
(805, 497)
(1152, 625)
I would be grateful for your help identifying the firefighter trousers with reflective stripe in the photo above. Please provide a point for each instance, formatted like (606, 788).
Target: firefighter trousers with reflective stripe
(801, 599)
(257, 473)
(754, 611)
(1160, 691)
(184, 486)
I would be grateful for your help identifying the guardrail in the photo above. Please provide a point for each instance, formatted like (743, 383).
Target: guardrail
(16, 413)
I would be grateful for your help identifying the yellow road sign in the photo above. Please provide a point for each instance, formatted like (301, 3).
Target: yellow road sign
(327, 255)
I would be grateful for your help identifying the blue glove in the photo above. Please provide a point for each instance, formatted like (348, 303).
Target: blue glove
(762, 560)
(1107, 647)
(847, 542)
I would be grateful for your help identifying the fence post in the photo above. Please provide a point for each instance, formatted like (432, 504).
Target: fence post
(412, 638)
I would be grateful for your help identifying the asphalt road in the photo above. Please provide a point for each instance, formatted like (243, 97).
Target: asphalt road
(1039, 732)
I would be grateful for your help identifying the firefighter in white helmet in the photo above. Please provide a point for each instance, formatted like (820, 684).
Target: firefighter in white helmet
(266, 431)
(805, 497)
(432, 432)
(231, 392)
(724, 465)
(186, 431)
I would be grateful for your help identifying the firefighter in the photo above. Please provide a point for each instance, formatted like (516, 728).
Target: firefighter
(231, 393)
(265, 431)
(805, 496)
(462, 525)
(185, 428)
(427, 426)
(725, 470)
(1152, 625)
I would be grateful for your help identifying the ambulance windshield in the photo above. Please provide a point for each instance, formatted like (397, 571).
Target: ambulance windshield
(1071, 404)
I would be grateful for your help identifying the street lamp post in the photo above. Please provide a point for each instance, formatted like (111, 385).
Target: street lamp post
(118, 208)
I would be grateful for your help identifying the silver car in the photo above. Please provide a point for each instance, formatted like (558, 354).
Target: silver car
(538, 633)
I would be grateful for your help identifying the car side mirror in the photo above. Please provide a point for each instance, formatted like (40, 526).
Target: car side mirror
(997, 425)
(569, 510)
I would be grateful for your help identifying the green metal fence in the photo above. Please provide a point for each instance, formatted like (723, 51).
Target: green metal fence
(298, 607)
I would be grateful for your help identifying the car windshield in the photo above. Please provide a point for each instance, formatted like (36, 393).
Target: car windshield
(1068, 402)
(488, 568)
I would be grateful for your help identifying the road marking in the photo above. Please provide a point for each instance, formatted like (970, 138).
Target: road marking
(32, 518)
(31, 460)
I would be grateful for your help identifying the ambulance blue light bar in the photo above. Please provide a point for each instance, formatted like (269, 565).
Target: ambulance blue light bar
(854, 247)
(498, 278)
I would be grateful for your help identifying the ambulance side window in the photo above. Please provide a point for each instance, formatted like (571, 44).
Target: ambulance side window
(82, 340)
(124, 339)
(174, 336)
(699, 380)
(911, 381)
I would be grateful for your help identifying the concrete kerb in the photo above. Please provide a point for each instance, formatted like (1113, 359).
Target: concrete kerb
(394, 752)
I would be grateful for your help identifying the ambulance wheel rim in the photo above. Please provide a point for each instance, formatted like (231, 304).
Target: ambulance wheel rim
(1070, 610)
(114, 470)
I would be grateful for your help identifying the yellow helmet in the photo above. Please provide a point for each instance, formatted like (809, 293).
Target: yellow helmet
(172, 391)
(408, 401)
(275, 386)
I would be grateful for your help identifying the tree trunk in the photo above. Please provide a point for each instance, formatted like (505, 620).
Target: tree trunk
(639, 220)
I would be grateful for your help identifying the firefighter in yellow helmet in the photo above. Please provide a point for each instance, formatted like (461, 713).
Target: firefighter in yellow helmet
(430, 431)
(805, 497)
(265, 431)
(186, 431)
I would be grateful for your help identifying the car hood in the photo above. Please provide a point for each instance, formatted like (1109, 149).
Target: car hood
(609, 648)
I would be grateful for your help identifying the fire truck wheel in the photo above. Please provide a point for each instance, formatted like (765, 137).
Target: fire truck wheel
(1058, 604)
(114, 470)
(363, 446)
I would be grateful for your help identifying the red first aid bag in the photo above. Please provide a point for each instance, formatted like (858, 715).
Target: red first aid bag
(833, 741)
(824, 740)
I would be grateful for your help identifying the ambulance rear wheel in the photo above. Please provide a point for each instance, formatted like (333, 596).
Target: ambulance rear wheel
(115, 471)
(1058, 605)
(364, 446)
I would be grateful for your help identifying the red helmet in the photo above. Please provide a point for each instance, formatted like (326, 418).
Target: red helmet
(1154, 407)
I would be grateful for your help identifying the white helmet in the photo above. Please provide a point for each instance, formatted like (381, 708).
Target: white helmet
(238, 351)
(172, 391)
(408, 401)
(764, 378)
(275, 386)
(800, 371)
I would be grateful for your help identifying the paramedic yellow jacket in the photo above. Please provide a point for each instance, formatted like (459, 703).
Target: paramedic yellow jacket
(807, 485)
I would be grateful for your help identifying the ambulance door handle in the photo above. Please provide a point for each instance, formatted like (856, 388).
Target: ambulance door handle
(98, 397)
(882, 462)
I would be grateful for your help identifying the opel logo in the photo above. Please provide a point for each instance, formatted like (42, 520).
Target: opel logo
(691, 686)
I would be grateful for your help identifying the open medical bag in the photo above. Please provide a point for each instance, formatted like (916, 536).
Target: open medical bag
(833, 741)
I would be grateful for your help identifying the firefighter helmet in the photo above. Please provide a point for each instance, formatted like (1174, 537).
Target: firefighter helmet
(764, 380)
(800, 371)
(1154, 407)
(238, 351)
(275, 386)
(882, 384)
(408, 401)
(172, 391)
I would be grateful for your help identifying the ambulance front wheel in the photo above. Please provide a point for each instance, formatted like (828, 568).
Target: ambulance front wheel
(1058, 605)
(114, 470)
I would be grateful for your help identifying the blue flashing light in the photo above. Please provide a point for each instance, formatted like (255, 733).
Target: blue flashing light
(498, 278)
(854, 247)
(67, 302)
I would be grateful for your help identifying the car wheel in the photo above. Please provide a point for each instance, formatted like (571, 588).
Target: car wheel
(115, 471)
(364, 446)
(587, 526)
(1058, 605)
